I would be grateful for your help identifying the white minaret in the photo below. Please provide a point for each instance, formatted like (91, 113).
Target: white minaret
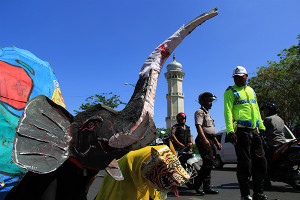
(175, 97)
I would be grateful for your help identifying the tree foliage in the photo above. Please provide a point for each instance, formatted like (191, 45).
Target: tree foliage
(195, 149)
(109, 99)
(162, 132)
(279, 82)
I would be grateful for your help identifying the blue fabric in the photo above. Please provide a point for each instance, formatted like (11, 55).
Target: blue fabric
(247, 123)
(23, 76)
(7, 183)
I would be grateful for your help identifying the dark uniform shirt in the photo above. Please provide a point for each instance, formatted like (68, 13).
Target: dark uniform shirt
(274, 131)
(182, 133)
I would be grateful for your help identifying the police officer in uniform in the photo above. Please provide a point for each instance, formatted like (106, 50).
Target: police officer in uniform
(274, 135)
(241, 108)
(180, 133)
(181, 137)
(205, 142)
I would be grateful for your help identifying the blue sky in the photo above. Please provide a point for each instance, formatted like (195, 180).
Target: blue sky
(95, 46)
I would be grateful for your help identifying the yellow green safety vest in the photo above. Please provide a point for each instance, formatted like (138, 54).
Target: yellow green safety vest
(240, 106)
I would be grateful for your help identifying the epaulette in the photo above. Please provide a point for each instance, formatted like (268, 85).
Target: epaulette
(229, 87)
(203, 110)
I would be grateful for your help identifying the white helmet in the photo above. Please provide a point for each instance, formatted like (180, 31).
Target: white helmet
(239, 71)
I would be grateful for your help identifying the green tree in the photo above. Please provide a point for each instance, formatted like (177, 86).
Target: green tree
(279, 82)
(195, 149)
(162, 132)
(109, 99)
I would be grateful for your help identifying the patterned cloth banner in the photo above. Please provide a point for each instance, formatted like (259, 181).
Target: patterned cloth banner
(22, 77)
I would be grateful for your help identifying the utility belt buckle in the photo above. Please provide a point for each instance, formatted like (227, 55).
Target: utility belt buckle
(253, 131)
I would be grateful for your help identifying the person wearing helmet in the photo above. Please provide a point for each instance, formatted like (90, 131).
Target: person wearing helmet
(205, 142)
(244, 128)
(180, 133)
(274, 135)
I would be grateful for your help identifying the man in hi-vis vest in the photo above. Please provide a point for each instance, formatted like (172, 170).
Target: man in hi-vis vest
(244, 129)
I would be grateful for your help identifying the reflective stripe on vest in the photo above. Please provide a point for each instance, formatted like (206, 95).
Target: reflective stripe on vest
(237, 96)
(247, 123)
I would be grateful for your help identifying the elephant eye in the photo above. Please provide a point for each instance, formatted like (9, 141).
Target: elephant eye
(91, 125)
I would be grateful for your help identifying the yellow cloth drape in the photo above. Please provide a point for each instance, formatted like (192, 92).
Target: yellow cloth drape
(134, 186)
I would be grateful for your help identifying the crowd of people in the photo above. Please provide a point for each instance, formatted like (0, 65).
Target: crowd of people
(245, 130)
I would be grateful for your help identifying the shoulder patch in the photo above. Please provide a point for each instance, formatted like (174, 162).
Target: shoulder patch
(200, 113)
(229, 87)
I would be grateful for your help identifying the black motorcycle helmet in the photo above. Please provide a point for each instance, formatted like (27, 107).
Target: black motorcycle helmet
(205, 97)
(271, 107)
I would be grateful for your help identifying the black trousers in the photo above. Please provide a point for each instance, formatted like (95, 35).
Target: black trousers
(207, 155)
(251, 160)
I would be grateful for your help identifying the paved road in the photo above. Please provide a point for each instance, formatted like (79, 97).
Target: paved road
(223, 180)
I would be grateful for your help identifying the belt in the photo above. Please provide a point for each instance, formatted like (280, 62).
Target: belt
(241, 126)
(210, 136)
(245, 127)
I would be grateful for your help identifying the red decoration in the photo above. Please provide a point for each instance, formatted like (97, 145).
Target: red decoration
(15, 85)
(165, 53)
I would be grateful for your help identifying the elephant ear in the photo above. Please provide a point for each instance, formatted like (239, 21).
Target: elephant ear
(42, 140)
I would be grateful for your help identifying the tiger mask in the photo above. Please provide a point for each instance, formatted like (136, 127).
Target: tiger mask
(164, 170)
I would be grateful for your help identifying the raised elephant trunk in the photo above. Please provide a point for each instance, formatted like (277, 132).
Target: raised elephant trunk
(48, 135)
(140, 108)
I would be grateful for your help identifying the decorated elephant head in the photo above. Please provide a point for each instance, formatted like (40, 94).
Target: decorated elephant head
(47, 134)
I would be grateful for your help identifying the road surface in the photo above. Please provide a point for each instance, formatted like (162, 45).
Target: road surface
(223, 180)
